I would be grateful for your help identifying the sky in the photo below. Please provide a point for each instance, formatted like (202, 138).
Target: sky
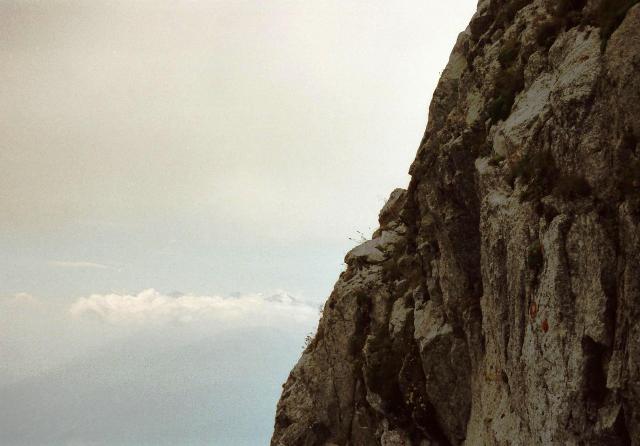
(179, 184)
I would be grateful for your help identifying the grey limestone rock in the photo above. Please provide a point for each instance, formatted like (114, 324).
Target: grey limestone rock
(499, 302)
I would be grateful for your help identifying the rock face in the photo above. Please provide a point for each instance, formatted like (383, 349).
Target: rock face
(499, 301)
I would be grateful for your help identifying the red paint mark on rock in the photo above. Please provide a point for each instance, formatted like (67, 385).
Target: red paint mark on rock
(533, 310)
(545, 326)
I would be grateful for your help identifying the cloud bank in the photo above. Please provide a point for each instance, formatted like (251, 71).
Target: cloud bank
(146, 368)
(151, 306)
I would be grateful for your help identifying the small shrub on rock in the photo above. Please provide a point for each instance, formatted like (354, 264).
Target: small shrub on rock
(509, 52)
(496, 159)
(509, 10)
(548, 31)
(629, 178)
(537, 170)
(508, 84)
(571, 187)
(610, 15)
(569, 11)
(535, 258)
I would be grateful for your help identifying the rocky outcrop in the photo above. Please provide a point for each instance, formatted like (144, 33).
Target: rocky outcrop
(499, 301)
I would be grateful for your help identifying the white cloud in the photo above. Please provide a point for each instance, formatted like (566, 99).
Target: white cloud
(19, 303)
(151, 306)
(20, 299)
(199, 363)
(63, 264)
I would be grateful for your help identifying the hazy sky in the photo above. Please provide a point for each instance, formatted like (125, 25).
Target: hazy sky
(200, 149)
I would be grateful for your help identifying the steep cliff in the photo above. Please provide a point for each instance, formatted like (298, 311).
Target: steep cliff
(499, 301)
